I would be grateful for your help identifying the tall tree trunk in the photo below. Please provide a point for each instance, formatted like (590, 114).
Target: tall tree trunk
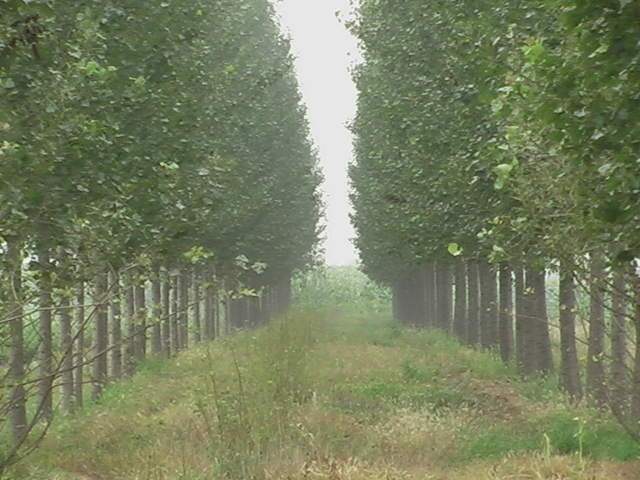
(226, 309)
(141, 319)
(522, 321)
(444, 288)
(402, 300)
(183, 310)
(418, 300)
(15, 313)
(288, 293)
(473, 302)
(208, 310)
(540, 326)
(156, 316)
(460, 309)
(79, 363)
(101, 341)
(130, 344)
(488, 306)
(115, 320)
(596, 379)
(215, 303)
(45, 305)
(635, 393)
(394, 300)
(197, 320)
(264, 306)
(407, 303)
(569, 369)
(166, 314)
(430, 295)
(175, 335)
(66, 347)
(236, 312)
(618, 375)
(505, 326)
(220, 321)
(529, 325)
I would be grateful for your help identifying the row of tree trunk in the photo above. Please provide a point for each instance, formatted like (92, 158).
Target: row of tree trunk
(504, 308)
(96, 332)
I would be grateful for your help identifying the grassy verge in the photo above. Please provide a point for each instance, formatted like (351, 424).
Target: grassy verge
(333, 396)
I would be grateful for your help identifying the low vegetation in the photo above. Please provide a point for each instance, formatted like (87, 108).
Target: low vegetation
(340, 393)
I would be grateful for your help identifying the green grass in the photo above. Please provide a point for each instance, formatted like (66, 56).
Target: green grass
(601, 438)
(321, 391)
(498, 441)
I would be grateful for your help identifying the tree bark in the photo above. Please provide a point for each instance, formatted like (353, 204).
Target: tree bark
(115, 321)
(540, 326)
(505, 326)
(444, 288)
(220, 321)
(635, 393)
(141, 319)
(394, 301)
(265, 311)
(183, 310)
(418, 300)
(156, 315)
(208, 310)
(473, 302)
(175, 336)
(596, 378)
(618, 374)
(15, 312)
(130, 344)
(197, 320)
(529, 325)
(236, 312)
(401, 301)
(101, 342)
(66, 347)
(166, 315)
(569, 369)
(488, 306)
(522, 322)
(460, 309)
(79, 362)
(430, 295)
(45, 305)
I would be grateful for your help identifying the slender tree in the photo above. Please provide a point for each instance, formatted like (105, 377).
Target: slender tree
(569, 367)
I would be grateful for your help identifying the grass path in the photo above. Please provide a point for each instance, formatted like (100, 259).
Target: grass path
(322, 396)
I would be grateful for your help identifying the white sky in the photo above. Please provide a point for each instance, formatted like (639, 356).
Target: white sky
(325, 52)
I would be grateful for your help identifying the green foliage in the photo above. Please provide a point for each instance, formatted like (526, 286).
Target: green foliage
(162, 128)
(342, 288)
(496, 128)
(566, 433)
(595, 437)
(144, 135)
(496, 442)
(248, 411)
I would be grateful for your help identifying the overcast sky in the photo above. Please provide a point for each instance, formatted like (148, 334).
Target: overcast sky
(325, 51)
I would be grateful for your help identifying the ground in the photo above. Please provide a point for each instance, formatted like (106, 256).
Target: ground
(333, 395)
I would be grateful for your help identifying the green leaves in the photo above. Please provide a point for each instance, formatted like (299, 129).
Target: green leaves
(172, 128)
(534, 52)
(505, 128)
(612, 212)
(502, 173)
(454, 249)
